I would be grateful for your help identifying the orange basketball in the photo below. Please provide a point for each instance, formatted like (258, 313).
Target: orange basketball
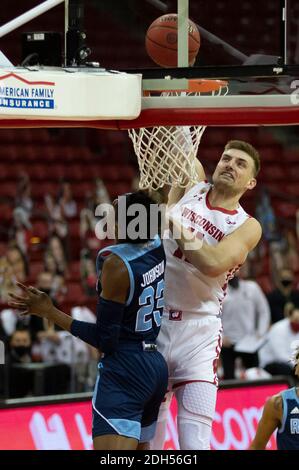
(161, 40)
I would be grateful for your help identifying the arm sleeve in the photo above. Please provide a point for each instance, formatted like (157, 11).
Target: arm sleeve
(103, 335)
(85, 331)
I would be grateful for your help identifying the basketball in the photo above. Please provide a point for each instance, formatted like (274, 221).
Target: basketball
(161, 41)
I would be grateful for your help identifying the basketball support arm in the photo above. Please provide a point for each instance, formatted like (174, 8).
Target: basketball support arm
(74, 38)
(28, 16)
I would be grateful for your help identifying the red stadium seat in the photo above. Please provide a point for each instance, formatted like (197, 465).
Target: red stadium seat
(74, 228)
(41, 230)
(39, 172)
(286, 209)
(6, 212)
(74, 271)
(292, 188)
(75, 293)
(4, 172)
(35, 268)
(273, 172)
(265, 283)
(7, 190)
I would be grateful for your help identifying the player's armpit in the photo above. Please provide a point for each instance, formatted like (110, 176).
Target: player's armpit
(271, 419)
(115, 279)
(227, 254)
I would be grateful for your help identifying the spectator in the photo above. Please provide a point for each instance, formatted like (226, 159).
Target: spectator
(56, 248)
(45, 284)
(48, 342)
(3, 335)
(89, 241)
(291, 255)
(282, 294)
(245, 314)
(281, 340)
(11, 320)
(52, 350)
(86, 373)
(18, 262)
(265, 215)
(284, 252)
(102, 195)
(3, 339)
(57, 223)
(23, 194)
(13, 266)
(21, 229)
(88, 218)
(66, 202)
(20, 380)
(88, 273)
(39, 329)
(58, 282)
(20, 346)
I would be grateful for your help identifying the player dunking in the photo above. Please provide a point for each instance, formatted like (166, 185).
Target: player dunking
(281, 412)
(195, 286)
(133, 375)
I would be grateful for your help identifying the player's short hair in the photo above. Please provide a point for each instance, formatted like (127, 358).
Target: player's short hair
(247, 148)
(146, 203)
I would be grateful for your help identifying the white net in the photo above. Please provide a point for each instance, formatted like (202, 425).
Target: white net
(166, 155)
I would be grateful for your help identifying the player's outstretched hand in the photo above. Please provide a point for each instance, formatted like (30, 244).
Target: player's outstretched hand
(32, 302)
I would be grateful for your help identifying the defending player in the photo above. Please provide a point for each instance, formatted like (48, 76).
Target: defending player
(132, 378)
(195, 284)
(281, 412)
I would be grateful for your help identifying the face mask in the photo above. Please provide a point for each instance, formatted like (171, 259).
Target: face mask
(286, 282)
(21, 350)
(294, 327)
(234, 283)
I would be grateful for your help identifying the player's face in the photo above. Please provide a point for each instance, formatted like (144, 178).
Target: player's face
(235, 170)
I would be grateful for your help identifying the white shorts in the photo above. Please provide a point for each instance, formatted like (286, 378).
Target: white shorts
(191, 348)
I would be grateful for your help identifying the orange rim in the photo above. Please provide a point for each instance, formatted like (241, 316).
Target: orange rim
(198, 86)
(205, 85)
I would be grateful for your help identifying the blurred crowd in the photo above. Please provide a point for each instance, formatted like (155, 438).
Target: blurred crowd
(261, 323)
(50, 360)
(260, 319)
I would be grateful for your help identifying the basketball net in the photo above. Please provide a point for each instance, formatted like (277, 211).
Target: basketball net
(167, 154)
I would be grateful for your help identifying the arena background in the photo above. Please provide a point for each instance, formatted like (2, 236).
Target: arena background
(39, 166)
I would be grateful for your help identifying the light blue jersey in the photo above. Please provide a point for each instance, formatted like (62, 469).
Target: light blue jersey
(288, 433)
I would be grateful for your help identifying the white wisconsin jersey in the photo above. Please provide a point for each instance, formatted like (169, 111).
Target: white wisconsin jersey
(187, 289)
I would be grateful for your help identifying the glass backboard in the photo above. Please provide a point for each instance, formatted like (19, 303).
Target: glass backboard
(232, 32)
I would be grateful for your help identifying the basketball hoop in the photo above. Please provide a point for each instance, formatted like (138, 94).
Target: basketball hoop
(167, 154)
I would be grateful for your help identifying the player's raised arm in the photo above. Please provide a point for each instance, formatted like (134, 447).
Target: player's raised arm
(271, 419)
(35, 302)
(176, 193)
(230, 252)
(102, 335)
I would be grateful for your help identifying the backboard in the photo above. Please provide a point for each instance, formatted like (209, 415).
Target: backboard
(232, 32)
(253, 45)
